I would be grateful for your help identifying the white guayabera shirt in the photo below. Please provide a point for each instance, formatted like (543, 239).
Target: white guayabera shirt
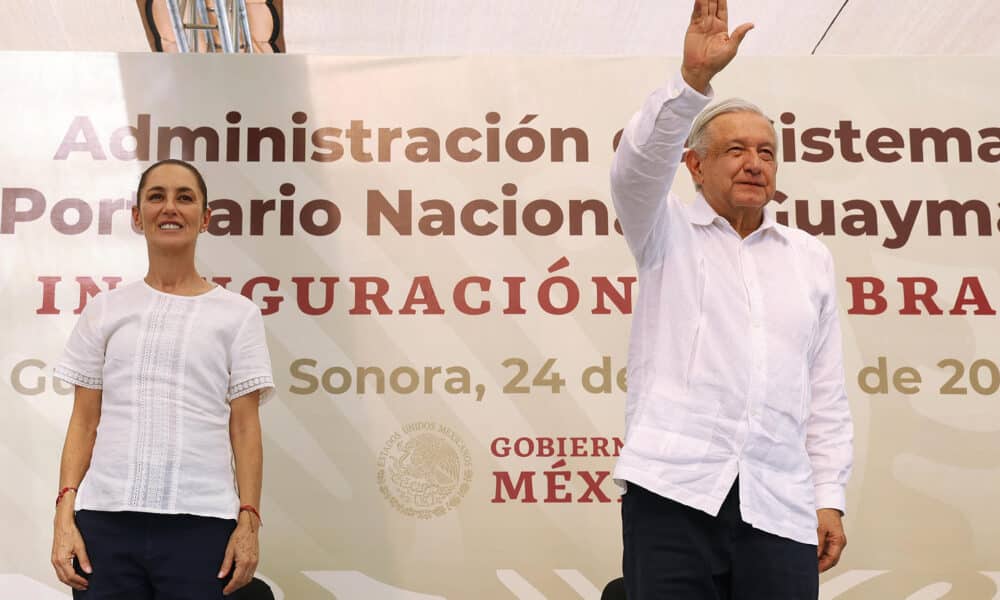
(168, 366)
(735, 363)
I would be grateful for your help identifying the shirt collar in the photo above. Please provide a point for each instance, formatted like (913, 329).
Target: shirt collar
(701, 213)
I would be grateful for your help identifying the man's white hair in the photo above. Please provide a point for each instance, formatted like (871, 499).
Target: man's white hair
(698, 138)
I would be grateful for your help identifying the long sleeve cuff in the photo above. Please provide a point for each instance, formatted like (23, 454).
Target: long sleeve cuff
(831, 495)
(678, 97)
(690, 101)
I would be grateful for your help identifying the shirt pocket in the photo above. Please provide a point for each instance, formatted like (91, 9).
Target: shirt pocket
(677, 447)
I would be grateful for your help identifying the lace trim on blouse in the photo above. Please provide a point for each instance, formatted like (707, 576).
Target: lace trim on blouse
(77, 378)
(250, 385)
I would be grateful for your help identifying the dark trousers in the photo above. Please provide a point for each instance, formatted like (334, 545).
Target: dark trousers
(675, 552)
(145, 556)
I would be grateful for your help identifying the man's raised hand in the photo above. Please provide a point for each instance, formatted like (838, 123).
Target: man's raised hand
(708, 45)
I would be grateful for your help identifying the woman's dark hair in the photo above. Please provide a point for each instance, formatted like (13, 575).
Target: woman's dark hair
(179, 163)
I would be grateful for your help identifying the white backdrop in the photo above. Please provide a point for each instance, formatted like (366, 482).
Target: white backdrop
(488, 477)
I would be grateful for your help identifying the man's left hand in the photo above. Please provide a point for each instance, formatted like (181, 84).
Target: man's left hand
(832, 539)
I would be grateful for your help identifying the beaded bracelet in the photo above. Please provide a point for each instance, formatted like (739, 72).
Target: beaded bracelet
(251, 509)
(62, 493)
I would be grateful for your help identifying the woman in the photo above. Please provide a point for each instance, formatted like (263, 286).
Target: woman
(161, 470)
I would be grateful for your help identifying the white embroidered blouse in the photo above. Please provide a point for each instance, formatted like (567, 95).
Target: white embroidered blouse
(168, 366)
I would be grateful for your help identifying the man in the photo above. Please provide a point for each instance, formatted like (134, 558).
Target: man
(738, 433)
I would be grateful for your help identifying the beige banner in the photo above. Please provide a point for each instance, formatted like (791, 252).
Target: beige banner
(447, 300)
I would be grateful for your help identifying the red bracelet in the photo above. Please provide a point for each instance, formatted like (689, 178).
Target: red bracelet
(62, 493)
(251, 509)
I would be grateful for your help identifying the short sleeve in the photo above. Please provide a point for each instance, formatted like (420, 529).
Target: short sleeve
(82, 361)
(250, 367)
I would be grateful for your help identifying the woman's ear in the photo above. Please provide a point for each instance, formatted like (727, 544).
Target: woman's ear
(205, 218)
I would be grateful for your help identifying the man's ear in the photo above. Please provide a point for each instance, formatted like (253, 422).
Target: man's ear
(693, 163)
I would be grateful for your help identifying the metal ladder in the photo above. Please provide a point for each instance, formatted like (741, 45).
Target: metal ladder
(187, 32)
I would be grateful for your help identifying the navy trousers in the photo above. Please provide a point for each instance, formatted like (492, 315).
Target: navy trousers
(145, 556)
(675, 552)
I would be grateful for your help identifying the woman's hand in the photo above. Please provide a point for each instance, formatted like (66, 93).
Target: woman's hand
(67, 544)
(242, 553)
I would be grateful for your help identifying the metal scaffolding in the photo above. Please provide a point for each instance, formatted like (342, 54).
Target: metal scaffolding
(220, 24)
